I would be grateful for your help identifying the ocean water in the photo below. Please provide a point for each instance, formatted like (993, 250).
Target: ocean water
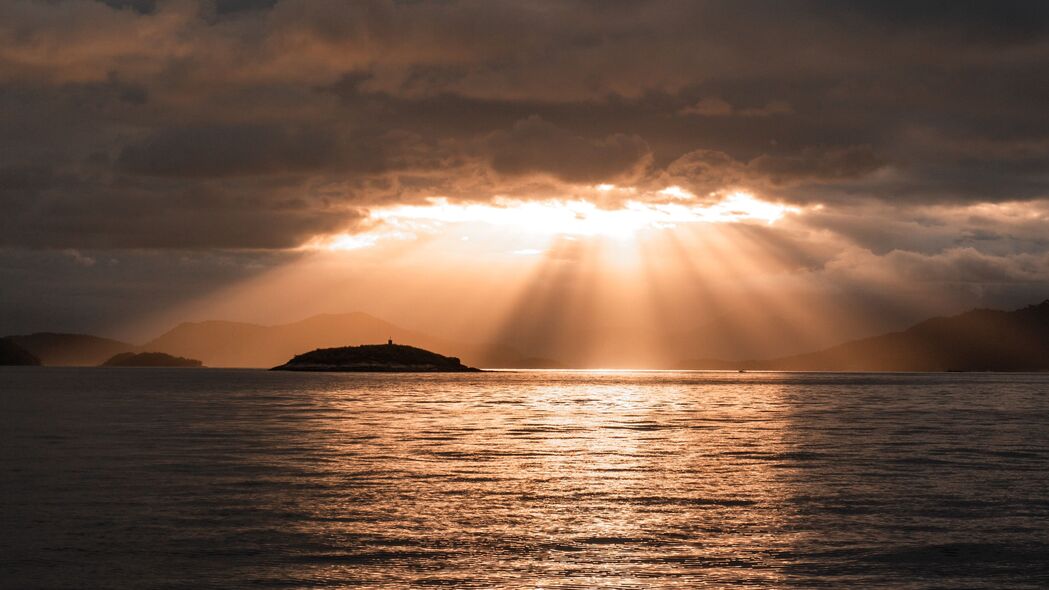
(141, 478)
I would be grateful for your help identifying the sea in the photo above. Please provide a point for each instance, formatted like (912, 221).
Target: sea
(210, 478)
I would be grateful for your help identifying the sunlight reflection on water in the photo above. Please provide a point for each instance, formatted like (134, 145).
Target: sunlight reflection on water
(534, 479)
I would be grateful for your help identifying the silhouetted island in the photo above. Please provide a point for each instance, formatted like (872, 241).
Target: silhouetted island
(12, 354)
(377, 358)
(150, 359)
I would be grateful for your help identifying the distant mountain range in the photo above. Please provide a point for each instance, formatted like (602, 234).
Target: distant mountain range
(239, 344)
(737, 332)
(978, 340)
(71, 349)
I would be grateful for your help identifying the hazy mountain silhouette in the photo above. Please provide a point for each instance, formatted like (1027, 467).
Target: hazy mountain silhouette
(71, 349)
(754, 334)
(727, 336)
(149, 359)
(11, 354)
(737, 333)
(978, 340)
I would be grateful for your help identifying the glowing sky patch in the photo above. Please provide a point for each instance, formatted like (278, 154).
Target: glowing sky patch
(556, 217)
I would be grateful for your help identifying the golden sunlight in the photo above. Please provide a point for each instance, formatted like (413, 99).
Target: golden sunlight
(668, 208)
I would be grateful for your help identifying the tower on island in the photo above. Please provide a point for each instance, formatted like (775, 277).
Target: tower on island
(389, 342)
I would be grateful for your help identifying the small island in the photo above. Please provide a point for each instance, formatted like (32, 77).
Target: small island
(376, 358)
(149, 359)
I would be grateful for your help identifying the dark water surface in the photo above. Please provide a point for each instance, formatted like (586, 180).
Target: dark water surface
(196, 478)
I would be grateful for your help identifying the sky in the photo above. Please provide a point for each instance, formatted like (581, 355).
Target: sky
(521, 170)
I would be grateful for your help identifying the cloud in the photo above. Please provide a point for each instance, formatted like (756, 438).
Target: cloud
(142, 123)
(812, 164)
(709, 107)
(953, 267)
(785, 176)
(997, 229)
(224, 151)
(716, 107)
(534, 146)
(80, 258)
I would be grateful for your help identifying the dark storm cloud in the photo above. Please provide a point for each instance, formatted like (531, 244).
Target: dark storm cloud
(229, 151)
(154, 217)
(142, 6)
(233, 6)
(1004, 22)
(72, 290)
(219, 6)
(162, 123)
(534, 146)
(813, 164)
